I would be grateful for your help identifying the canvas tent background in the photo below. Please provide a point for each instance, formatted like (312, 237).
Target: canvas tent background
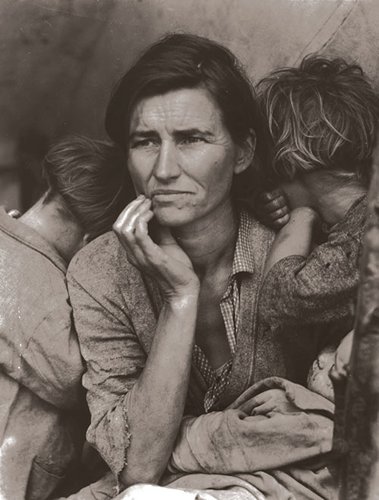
(59, 59)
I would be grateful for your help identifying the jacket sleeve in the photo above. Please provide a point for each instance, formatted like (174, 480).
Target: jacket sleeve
(295, 426)
(114, 360)
(42, 353)
(317, 289)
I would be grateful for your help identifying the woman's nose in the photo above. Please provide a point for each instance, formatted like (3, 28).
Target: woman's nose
(166, 165)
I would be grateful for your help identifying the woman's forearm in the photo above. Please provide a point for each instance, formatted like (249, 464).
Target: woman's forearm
(156, 402)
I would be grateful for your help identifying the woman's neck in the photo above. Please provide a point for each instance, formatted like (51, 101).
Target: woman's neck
(210, 242)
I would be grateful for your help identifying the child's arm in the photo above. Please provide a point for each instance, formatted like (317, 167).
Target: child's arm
(316, 288)
(295, 238)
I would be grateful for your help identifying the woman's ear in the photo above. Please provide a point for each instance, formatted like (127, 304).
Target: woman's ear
(245, 153)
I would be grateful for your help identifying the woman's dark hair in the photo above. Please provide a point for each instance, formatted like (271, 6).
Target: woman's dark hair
(189, 61)
(321, 115)
(90, 178)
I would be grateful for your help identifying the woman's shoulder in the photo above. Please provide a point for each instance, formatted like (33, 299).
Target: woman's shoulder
(102, 259)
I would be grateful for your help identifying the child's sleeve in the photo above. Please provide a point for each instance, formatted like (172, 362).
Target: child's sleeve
(316, 289)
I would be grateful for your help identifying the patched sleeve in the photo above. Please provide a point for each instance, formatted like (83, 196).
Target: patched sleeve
(114, 360)
(317, 289)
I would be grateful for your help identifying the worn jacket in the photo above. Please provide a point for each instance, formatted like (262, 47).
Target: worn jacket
(116, 311)
(40, 366)
(322, 287)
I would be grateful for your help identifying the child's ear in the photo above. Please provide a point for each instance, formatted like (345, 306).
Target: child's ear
(245, 153)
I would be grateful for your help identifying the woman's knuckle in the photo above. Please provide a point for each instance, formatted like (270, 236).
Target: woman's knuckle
(116, 227)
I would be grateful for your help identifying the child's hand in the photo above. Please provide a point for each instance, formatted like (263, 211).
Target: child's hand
(272, 208)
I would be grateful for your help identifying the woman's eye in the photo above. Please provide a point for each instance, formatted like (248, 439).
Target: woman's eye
(193, 139)
(143, 143)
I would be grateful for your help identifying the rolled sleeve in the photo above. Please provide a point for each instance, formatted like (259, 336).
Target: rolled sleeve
(318, 288)
(114, 360)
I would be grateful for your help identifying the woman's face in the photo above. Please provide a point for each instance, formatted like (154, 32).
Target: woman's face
(181, 155)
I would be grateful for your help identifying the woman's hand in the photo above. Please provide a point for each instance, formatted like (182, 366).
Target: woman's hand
(166, 262)
(270, 401)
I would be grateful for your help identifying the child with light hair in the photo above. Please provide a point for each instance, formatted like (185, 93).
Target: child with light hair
(323, 119)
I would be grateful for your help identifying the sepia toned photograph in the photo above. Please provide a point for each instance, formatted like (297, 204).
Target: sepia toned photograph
(189, 250)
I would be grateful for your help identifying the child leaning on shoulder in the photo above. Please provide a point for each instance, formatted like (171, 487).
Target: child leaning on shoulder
(323, 120)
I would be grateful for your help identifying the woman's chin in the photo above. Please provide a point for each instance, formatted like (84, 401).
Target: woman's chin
(172, 217)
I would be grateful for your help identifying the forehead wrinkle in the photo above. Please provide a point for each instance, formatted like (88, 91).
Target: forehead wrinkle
(176, 111)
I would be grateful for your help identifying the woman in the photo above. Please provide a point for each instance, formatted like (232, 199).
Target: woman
(169, 328)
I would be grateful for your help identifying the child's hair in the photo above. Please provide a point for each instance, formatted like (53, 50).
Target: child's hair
(321, 115)
(89, 176)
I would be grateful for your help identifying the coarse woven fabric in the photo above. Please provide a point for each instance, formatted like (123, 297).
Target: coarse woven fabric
(322, 287)
(116, 311)
(40, 366)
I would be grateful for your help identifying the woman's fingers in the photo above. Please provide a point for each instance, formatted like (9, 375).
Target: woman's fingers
(166, 261)
(125, 224)
(263, 409)
(125, 227)
(150, 250)
(141, 224)
(123, 218)
(271, 400)
(132, 230)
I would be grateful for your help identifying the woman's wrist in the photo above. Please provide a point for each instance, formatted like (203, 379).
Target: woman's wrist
(183, 300)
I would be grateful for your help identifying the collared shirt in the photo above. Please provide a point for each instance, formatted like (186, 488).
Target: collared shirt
(218, 379)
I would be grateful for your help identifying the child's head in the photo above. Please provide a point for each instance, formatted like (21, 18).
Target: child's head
(88, 176)
(321, 115)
